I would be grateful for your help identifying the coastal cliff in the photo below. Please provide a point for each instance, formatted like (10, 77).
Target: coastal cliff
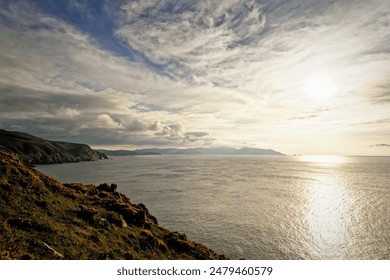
(34, 150)
(41, 218)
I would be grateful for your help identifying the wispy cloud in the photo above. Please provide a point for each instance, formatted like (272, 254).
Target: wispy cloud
(195, 72)
(192, 38)
(57, 74)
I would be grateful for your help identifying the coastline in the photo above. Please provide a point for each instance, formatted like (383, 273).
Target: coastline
(44, 219)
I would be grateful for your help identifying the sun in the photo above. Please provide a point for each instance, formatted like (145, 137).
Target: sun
(320, 86)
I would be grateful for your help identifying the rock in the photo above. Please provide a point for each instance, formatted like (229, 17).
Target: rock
(132, 215)
(116, 219)
(87, 212)
(148, 215)
(123, 223)
(103, 223)
(107, 188)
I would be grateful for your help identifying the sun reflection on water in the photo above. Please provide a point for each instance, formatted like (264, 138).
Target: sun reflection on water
(324, 159)
(328, 216)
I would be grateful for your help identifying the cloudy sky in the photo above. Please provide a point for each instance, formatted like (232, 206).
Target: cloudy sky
(297, 76)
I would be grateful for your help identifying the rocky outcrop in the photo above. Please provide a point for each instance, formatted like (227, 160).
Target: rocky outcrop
(34, 150)
(41, 218)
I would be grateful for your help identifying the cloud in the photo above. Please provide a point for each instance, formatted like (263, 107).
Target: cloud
(105, 121)
(232, 43)
(176, 131)
(55, 56)
(26, 102)
(193, 72)
(190, 38)
(304, 117)
(67, 112)
(380, 145)
(62, 115)
(45, 83)
(172, 130)
(376, 122)
(193, 137)
(383, 96)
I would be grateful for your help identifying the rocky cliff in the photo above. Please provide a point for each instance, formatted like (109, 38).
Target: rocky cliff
(41, 218)
(35, 150)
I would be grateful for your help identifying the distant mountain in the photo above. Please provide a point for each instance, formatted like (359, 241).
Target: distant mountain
(117, 152)
(195, 151)
(127, 152)
(34, 150)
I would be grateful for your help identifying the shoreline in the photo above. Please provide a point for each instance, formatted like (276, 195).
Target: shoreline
(51, 220)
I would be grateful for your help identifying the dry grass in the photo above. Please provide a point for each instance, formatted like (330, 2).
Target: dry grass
(43, 219)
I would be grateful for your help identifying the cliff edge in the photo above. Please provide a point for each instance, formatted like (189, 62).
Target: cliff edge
(34, 150)
(41, 218)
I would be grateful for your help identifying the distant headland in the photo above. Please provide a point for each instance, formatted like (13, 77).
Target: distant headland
(34, 150)
(195, 151)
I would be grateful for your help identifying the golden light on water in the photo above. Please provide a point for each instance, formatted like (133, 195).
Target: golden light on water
(328, 213)
(324, 159)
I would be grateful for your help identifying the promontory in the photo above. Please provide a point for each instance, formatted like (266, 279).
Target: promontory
(41, 218)
(35, 150)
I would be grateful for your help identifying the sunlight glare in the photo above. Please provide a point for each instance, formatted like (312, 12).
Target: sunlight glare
(324, 159)
(328, 217)
(320, 87)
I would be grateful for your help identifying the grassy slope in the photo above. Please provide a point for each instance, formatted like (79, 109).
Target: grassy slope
(41, 218)
(35, 150)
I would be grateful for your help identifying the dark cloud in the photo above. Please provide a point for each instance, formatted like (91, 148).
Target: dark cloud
(197, 134)
(381, 145)
(23, 100)
(193, 137)
(382, 97)
(97, 119)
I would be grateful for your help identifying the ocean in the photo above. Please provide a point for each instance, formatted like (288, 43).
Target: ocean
(258, 207)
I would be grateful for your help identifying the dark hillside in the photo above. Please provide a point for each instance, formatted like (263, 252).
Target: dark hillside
(35, 150)
(41, 218)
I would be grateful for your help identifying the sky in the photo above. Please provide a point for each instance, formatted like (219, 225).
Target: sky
(296, 76)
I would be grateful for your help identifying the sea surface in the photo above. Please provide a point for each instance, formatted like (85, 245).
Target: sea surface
(258, 207)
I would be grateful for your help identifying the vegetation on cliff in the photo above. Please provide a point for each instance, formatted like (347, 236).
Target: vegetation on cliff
(35, 150)
(40, 218)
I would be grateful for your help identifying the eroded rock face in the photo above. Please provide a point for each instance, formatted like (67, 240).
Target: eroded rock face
(108, 188)
(34, 150)
(44, 219)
